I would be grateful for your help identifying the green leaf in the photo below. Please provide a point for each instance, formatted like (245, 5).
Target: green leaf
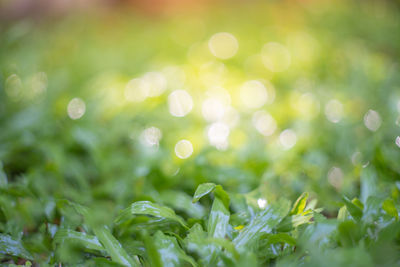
(342, 213)
(218, 220)
(156, 210)
(88, 241)
(3, 177)
(113, 247)
(368, 183)
(389, 207)
(300, 204)
(354, 210)
(279, 238)
(170, 252)
(348, 233)
(10, 246)
(202, 190)
(207, 188)
(263, 222)
(181, 201)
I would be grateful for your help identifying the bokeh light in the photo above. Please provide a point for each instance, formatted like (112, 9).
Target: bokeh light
(180, 103)
(276, 57)
(264, 123)
(223, 45)
(253, 94)
(76, 108)
(288, 139)
(151, 136)
(183, 149)
(218, 134)
(334, 110)
(372, 120)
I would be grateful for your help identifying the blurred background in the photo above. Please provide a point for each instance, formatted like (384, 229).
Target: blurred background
(109, 102)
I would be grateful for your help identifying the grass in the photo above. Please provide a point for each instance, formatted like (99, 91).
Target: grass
(105, 185)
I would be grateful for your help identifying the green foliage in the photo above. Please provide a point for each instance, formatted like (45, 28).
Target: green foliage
(97, 191)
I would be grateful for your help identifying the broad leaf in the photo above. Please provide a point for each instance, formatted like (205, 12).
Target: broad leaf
(202, 190)
(88, 241)
(150, 209)
(263, 222)
(10, 246)
(113, 247)
(300, 204)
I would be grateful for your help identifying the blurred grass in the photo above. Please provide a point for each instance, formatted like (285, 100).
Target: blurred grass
(344, 50)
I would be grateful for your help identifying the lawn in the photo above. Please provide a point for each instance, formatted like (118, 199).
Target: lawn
(236, 134)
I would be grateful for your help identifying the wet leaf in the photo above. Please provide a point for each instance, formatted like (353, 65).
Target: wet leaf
(13, 247)
(88, 241)
(114, 248)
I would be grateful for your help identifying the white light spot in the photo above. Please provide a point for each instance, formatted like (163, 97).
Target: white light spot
(136, 90)
(183, 149)
(398, 121)
(218, 134)
(39, 83)
(288, 139)
(307, 105)
(356, 158)
(180, 103)
(76, 108)
(264, 123)
(334, 111)
(151, 136)
(397, 141)
(212, 109)
(275, 57)
(175, 76)
(223, 45)
(253, 94)
(335, 177)
(13, 87)
(231, 117)
(219, 93)
(372, 120)
(262, 203)
(155, 82)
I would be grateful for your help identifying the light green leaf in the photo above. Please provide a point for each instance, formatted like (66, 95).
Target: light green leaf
(389, 207)
(354, 210)
(279, 238)
(202, 190)
(218, 220)
(156, 210)
(181, 201)
(263, 222)
(89, 241)
(113, 247)
(10, 246)
(170, 252)
(3, 177)
(300, 204)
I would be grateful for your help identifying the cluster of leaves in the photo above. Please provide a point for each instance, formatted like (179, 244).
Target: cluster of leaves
(233, 233)
(66, 185)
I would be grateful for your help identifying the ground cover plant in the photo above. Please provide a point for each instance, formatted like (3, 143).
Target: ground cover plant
(235, 134)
